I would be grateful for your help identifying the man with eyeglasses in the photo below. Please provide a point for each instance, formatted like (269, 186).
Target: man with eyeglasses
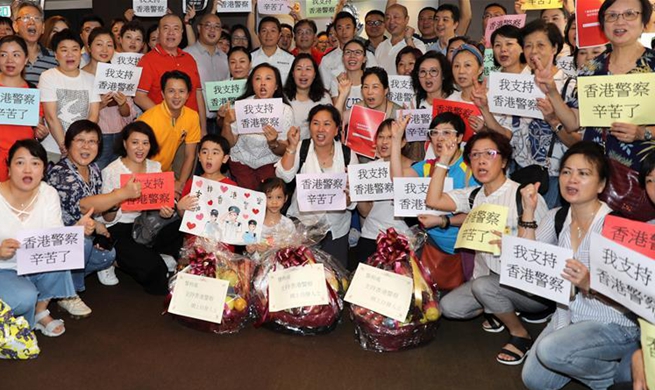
(374, 27)
(211, 61)
(402, 35)
(305, 36)
(89, 22)
(29, 25)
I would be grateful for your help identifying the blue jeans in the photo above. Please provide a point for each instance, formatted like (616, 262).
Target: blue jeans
(107, 154)
(22, 292)
(94, 260)
(588, 351)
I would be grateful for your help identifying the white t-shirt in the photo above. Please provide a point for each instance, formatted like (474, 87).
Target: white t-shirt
(385, 53)
(280, 59)
(301, 111)
(332, 64)
(73, 95)
(354, 96)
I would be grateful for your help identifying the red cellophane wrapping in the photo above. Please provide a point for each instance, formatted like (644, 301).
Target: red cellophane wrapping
(306, 320)
(214, 260)
(376, 332)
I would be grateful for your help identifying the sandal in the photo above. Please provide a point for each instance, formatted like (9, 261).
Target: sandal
(49, 328)
(493, 324)
(522, 344)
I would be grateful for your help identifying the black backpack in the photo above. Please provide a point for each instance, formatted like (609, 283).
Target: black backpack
(560, 217)
(304, 151)
(519, 200)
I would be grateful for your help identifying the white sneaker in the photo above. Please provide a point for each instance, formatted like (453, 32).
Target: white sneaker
(108, 276)
(171, 264)
(75, 307)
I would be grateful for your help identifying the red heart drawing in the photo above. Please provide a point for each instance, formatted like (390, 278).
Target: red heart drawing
(245, 216)
(211, 202)
(200, 216)
(199, 183)
(190, 225)
(255, 211)
(224, 189)
(247, 195)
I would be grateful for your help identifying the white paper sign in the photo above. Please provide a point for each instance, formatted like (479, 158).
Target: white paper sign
(514, 94)
(199, 297)
(383, 292)
(535, 267)
(623, 275)
(149, 8)
(273, 7)
(646, 39)
(293, 287)
(231, 6)
(566, 64)
(419, 124)
(253, 114)
(225, 213)
(116, 78)
(370, 181)
(321, 191)
(126, 59)
(409, 196)
(46, 250)
(401, 91)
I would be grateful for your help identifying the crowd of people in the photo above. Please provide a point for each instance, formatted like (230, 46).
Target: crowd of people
(67, 170)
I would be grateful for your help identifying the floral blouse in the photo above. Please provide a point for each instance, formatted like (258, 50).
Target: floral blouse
(625, 153)
(70, 185)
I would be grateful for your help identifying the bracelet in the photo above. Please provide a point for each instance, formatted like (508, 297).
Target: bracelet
(447, 223)
(443, 166)
(527, 224)
(291, 151)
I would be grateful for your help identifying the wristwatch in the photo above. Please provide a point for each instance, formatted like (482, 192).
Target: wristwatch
(558, 128)
(648, 135)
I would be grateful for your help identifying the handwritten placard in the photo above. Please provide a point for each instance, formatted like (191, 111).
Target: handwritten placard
(623, 275)
(464, 110)
(225, 213)
(254, 114)
(588, 30)
(566, 64)
(409, 196)
(234, 6)
(126, 59)
(638, 236)
(541, 4)
(362, 127)
(401, 90)
(273, 7)
(381, 291)
(321, 191)
(321, 8)
(620, 98)
(477, 229)
(157, 191)
(494, 23)
(46, 250)
(116, 78)
(149, 8)
(220, 92)
(514, 94)
(370, 181)
(648, 351)
(19, 106)
(289, 288)
(419, 123)
(199, 297)
(536, 268)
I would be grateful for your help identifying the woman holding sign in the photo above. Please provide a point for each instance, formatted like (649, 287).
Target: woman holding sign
(587, 340)
(13, 58)
(26, 202)
(116, 109)
(488, 154)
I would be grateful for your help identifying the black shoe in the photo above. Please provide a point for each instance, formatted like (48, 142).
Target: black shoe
(538, 318)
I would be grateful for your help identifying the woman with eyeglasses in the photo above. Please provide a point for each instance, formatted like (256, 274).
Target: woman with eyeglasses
(623, 22)
(241, 37)
(488, 154)
(345, 89)
(432, 78)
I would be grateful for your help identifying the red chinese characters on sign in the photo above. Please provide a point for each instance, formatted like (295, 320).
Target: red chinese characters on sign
(638, 236)
(362, 127)
(157, 191)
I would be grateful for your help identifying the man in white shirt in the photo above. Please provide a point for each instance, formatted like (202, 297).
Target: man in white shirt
(212, 62)
(451, 20)
(332, 63)
(269, 52)
(396, 20)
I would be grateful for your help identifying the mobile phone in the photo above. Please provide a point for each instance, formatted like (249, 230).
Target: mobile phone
(103, 242)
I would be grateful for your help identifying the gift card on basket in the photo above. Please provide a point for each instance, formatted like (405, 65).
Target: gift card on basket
(225, 213)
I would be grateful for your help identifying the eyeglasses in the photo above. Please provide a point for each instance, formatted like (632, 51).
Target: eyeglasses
(235, 38)
(27, 18)
(442, 133)
(305, 31)
(488, 154)
(628, 15)
(430, 72)
(356, 53)
(85, 142)
(374, 23)
(210, 26)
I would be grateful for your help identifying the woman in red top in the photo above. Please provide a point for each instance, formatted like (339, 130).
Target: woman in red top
(13, 58)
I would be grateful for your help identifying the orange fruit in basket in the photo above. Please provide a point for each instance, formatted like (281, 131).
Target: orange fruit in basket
(240, 304)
